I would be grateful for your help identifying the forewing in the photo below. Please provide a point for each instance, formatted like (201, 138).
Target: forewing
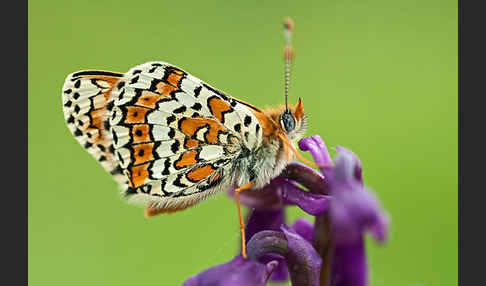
(175, 136)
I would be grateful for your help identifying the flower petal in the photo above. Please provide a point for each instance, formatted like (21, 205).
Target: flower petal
(318, 149)
(266, 198)
(271, 219)
(264, 220)
(354, 209)
(237, 272)
(303, 228)
(280, 272)
(302, 260)
(358, 168)
(307, 177)
(313, 204)
(349, 266)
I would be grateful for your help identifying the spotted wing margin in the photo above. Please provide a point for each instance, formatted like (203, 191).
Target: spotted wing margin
(84, 98)
(176, 138)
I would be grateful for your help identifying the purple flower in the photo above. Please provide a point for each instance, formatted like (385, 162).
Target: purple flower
(237, 272)
(330, 252)
(286, 246)
(302, 260)
(304, 228)
(353, 211)
(282, 192)
(268, 213)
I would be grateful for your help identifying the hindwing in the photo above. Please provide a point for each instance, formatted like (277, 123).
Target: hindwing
(175, 137)
(85, 95)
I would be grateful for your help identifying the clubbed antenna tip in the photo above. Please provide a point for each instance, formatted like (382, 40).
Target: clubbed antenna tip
(288, 55)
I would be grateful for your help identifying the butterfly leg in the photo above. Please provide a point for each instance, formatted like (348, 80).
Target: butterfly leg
(242, 223)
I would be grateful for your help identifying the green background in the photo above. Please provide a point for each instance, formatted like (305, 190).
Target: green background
(378, 76)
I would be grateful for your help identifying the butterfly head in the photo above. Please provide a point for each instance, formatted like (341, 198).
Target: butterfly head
(291, 121)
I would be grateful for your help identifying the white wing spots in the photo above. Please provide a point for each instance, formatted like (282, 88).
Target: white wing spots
(143, 81)
(81, 121)
(121, 135)
(223, 138)
(158, 117)
(189, 84)
(122, 96)
(166, 148)
(93, 133)
(103, 84)
(230, 120)
(99, 101)
(170, 106)
(211, 152)
(152, 69)
(185, 99)
(161, 168)
(157, 72)
(137, 79)
(116, 116)
(176, 183)
(123, 156)
(161, 133)
(201, 132)
(156, 188)
(82, 106)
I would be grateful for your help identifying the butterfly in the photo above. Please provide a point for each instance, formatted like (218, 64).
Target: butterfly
(171, 140)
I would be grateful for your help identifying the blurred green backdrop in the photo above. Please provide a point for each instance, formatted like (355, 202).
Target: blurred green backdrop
(377, 76)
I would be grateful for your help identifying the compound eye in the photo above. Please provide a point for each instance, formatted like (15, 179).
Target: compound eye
(287, 121)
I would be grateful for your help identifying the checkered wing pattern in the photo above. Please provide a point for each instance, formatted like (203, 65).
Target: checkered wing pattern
(175, 137)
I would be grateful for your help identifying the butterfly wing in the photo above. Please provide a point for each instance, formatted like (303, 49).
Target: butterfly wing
(84, 96)
(175, 137)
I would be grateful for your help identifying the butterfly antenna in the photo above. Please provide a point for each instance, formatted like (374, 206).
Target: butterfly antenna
(288, 55)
